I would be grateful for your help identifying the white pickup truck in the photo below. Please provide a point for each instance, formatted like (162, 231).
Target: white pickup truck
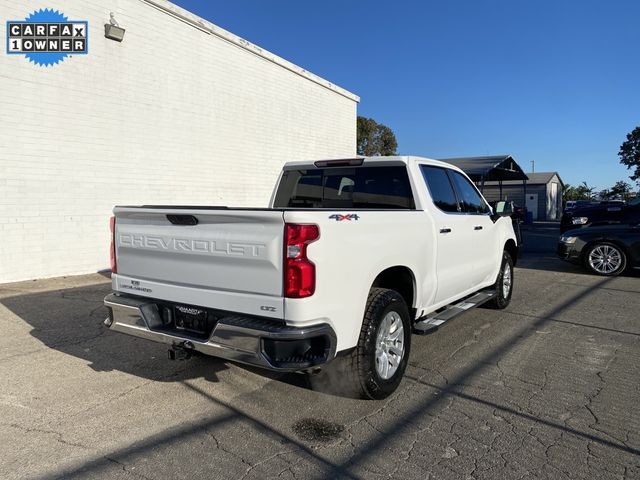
(350, 259)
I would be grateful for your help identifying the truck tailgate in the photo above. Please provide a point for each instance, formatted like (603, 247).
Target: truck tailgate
(236, 251)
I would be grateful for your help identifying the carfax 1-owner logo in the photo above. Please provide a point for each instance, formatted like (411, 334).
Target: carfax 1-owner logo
(47, 37)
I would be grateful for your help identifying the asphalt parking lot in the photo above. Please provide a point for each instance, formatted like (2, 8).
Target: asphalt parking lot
(548, 388)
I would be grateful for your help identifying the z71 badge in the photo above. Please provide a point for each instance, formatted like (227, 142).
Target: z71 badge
(338, 217)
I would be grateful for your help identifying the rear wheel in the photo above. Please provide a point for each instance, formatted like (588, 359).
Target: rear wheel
(374, 369)
(606, 259)
(504, 284)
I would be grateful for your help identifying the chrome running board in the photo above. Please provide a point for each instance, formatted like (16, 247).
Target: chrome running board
(432, 322)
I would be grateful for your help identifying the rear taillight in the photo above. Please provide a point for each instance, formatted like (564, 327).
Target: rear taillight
(112, 227)
(299, 271)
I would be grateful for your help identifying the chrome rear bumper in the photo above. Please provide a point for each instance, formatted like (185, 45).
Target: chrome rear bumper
(256, 341)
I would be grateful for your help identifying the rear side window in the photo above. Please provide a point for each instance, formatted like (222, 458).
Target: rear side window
(470, 199)
(440, 187)
(351, 187)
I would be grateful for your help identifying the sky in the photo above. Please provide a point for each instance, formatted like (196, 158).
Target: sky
(555, 82)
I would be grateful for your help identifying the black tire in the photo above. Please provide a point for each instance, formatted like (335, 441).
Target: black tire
(356, 375)
(606, 259)
(503, 297)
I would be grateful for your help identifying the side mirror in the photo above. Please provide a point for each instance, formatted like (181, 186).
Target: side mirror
(504, 209)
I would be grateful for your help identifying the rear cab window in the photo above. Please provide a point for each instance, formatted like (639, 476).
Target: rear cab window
(364, 187)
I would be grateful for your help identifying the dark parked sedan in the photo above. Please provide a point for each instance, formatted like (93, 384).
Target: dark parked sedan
(605, 250)
(603, 214)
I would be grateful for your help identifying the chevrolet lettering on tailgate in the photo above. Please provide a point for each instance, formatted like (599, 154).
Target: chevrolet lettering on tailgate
(214, 247)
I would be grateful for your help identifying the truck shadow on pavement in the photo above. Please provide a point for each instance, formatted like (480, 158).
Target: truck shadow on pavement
(70, 321)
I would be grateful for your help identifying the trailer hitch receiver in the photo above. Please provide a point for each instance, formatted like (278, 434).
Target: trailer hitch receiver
(181, 351)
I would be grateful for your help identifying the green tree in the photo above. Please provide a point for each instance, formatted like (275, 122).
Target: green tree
(585, 192)
(569, 193)
(630, 154)
(375, 138)
(621, 188)
(581, 192)
(605, 194)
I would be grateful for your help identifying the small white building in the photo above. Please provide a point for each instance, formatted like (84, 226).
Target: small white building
(179, 112)
(541, 194)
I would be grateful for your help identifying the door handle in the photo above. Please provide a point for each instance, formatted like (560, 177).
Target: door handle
(478, 227)
(445, 230)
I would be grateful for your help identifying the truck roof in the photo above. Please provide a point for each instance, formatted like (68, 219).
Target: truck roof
(378, 160)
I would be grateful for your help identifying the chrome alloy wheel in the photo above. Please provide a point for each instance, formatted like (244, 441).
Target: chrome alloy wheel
(605, 259)
(389, 345)
(507, 280)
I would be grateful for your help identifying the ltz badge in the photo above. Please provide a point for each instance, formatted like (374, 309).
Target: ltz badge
(47, 37)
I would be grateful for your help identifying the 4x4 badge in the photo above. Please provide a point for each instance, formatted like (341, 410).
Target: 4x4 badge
(338, 217)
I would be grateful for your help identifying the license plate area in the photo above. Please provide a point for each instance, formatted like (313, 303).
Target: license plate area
(190, 319)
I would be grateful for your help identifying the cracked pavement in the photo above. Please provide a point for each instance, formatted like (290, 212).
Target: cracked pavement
(547, 388)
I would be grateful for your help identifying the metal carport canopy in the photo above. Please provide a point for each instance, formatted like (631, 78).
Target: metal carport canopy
(492, 168)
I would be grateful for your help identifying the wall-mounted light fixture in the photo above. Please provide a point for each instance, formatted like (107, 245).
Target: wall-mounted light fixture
(113, 30)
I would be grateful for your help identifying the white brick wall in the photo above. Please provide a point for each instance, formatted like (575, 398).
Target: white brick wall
(172, 115)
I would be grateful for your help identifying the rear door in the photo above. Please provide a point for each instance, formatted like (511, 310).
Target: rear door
(454, 254)
(481, 230)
